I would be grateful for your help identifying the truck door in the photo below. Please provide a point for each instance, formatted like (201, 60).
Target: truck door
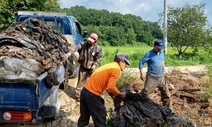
(79, 37)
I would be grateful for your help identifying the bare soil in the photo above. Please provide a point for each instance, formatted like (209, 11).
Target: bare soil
(186, 84)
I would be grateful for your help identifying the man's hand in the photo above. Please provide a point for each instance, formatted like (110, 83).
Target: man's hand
(75, 56)
(122, 95)
(93, 67)
(142, 77)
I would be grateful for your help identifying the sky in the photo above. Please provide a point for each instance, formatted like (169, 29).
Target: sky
(148, 10)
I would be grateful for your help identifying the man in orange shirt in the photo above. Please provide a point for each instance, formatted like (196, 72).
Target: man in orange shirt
(103, 78)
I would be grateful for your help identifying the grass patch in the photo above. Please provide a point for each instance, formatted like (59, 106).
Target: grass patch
(207, 83)
(135, 53)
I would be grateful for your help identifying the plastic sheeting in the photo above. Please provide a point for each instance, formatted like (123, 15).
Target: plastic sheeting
(140, 111)
(14, 68)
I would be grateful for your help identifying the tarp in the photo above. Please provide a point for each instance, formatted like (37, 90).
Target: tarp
(30, 48)
(140, 111)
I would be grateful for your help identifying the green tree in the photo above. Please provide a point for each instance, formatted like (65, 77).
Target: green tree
(208, 41)
(156, 30)
(9, 9)
(116, 28)
(130, 36)
(186, 27)
(115, 36)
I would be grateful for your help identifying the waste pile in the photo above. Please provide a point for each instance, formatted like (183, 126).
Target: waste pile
(30, 48)
(140, 111)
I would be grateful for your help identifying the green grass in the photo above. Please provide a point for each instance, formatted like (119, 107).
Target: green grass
(207, 83)
(135, 53)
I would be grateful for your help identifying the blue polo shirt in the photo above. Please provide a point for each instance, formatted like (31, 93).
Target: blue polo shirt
(154, 62)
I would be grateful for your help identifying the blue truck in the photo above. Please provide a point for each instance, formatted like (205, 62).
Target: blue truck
(31, 101)
(66, 25)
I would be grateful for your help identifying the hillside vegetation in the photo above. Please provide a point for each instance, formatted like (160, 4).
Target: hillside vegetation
(116, 29)
(135, 53)
(188, 30)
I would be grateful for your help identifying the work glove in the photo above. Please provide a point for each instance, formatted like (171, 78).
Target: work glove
(93, 67)
(75, 56)
(122, 95)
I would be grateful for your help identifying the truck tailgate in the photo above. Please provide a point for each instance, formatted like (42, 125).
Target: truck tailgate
(17, 96)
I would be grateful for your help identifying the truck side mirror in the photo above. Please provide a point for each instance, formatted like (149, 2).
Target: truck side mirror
(85, 33)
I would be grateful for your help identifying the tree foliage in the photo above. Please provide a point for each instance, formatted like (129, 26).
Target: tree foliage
(208, 40)
(115, 28)
(9, 9)
(186, 27)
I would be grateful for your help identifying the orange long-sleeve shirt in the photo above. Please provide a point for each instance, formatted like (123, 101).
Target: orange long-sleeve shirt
(104, 78)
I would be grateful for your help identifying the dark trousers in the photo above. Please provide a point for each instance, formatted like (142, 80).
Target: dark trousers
(91, 105)
(83, 76)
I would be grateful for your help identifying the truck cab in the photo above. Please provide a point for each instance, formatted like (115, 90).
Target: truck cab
(66, 25)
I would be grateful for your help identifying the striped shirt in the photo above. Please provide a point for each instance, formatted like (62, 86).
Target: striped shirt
(88, 56)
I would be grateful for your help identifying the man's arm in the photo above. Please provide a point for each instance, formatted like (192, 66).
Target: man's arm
(122, 95)
(98, 56)
(112, 81)
(141, 74)
(80, 46)
(163, 67)
(141, 63)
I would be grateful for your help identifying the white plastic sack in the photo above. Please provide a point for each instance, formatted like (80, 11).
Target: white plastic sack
(14, 68)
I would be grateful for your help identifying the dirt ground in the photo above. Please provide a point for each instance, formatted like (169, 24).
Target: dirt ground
(186, 84)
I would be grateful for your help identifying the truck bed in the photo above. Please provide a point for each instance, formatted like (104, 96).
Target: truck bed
(25, 96)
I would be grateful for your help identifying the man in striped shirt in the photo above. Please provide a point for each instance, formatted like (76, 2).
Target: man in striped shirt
(89, 57)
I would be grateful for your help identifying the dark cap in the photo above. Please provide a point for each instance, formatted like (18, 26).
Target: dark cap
(159, 44)
(121, 56)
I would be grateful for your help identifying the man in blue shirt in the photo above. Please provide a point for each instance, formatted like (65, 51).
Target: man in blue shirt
(155, 73)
